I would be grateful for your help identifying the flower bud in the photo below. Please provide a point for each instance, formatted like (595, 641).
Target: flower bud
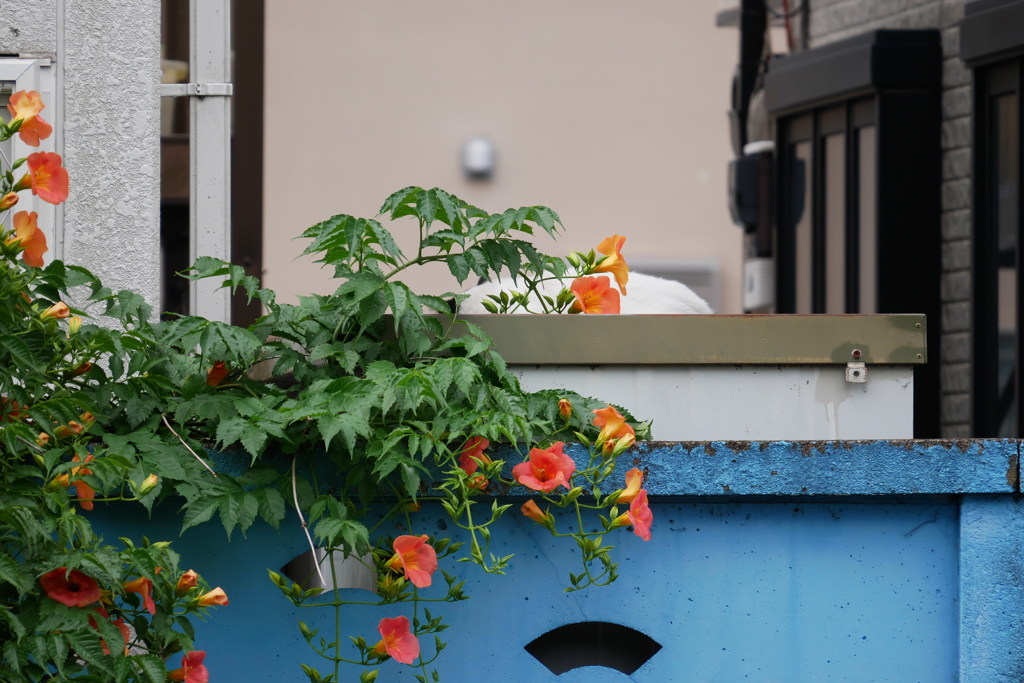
(614, 447)
(82, 369)
(564, 408)
(545, 519)
(56, 311)
(188, 581)
(71, 429)
(74, 324)
(620, 521)
(148, 484)
(8, 200)
(214, 597)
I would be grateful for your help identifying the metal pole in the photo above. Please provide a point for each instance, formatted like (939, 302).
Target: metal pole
(210, 150)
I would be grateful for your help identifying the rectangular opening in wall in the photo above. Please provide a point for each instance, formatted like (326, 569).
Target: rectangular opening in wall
(174, 160)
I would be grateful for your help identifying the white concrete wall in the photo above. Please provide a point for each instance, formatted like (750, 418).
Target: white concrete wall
(611, 113)
(107, 57)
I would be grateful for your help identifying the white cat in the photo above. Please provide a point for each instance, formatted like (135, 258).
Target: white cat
(647, 295)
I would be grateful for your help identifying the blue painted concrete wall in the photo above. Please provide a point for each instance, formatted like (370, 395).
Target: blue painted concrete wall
(761, 592)
(992, 589)
(795, 588)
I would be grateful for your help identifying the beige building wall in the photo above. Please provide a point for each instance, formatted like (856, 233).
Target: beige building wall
(612, 113)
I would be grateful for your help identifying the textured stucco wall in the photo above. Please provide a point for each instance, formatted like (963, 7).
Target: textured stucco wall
(833, 20)
(28, 27)
(108, 61)
(112, 141)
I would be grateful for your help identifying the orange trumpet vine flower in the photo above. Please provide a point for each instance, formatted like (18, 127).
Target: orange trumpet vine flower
(192, 669)
(9, 410)
(86, 493)
(594, 295)
(634, 478)
(217, 373)
(73, 588)
(143, 587)
(546, 469)
(26, 105)
(29, 238)
(119, 623)
(47, 178)
(639, 515)
(613, 262)
(613, 425)
(397, 641)
(473, 454)
(416, 557)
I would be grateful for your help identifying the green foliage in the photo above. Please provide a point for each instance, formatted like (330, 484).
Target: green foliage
(341, 400)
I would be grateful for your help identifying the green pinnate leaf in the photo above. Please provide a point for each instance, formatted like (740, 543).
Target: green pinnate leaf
(271, 505)
(152, 667)
(12, 572)
(426, 206)
(200, 510)
(254, 438)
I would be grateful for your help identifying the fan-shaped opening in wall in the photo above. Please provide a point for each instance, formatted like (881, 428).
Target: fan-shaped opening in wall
(593, 643)
(347, 572)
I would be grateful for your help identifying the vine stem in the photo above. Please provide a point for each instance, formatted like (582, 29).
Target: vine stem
(30, 444)
(295, 497)
(164, 418)
(337, 609)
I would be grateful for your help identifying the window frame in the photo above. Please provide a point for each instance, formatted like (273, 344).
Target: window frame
(815, 127)
(889, 80)
(219, 43)
(992, 45)
(36, 74)
(209, 91)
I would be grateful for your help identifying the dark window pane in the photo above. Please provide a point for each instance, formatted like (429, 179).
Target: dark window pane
(1004, 210)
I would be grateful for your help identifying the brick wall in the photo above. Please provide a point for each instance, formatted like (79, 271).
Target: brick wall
(832, 20)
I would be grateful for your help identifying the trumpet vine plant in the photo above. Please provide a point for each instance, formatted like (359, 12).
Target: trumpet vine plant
(370, 397)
